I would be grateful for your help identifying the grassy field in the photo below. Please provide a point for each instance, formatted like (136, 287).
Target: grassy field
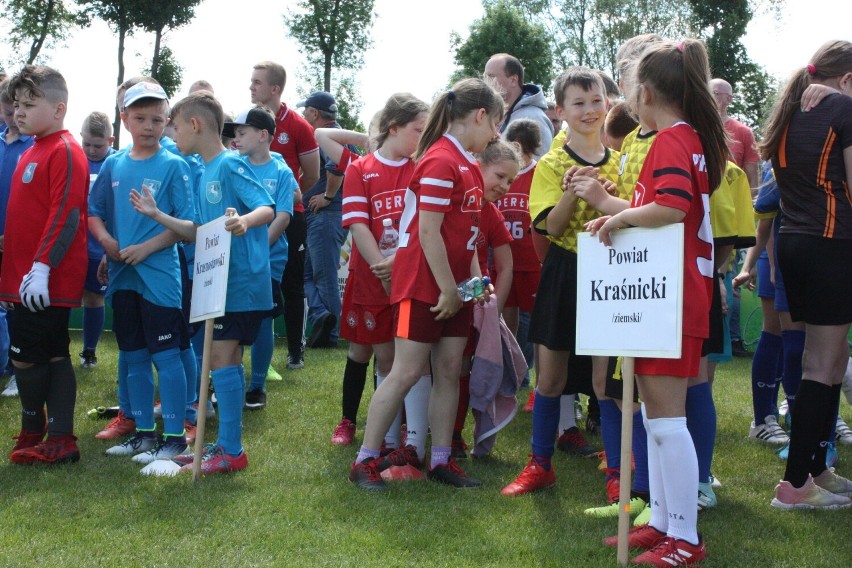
(294, 507)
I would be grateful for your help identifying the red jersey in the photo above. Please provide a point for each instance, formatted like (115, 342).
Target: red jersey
(675, 175)
(294, 138)
(492, 234)
(446, 180)
(515, 207)
(47, 219)
(373, 190)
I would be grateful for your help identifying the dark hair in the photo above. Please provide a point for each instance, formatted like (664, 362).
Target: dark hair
(399, 110)
(203, 106)
(583, 77)
(679, 75)
(465, 97)
(6, 97)
(526, 133)
(611, 86)
(499, 151)
(619, 122)
(512, 66)
(39, 81)
(833, 59)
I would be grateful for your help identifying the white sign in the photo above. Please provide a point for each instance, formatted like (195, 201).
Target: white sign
(630, 295)
(210, 273)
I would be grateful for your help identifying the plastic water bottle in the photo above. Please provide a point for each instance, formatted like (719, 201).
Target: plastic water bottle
(390, 238)
(473, 287)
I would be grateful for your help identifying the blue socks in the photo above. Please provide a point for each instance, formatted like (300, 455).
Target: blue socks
(701, 422)
(172, 381)
(140, 385)
(261, 354)
(123, 390)
(611, 432)
(545, 425)
(93, 325)
(229, 383)
(794, 346)
(764, 375)
(640, 454)
(190, 372)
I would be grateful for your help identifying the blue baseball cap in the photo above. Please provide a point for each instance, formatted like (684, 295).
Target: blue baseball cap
(320, 100)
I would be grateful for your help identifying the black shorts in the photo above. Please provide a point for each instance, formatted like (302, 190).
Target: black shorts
(277, 300)
(553, 321)
(140, 324)
(716, 342)
(579, 375)
(38, 337)
(817, 277)
(186, 297)
(615, 386)
(240, 326)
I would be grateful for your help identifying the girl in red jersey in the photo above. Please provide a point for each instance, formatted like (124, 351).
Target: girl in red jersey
(811, 155)
(686, 159)
(438, 233)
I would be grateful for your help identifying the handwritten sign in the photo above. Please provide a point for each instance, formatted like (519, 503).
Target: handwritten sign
(630, 295)
(210, 272)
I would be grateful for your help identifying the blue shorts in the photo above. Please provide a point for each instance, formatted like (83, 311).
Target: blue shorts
(781, 304)
(92, 284)
(765, 287)
(277, 301)
(242, 326)
(139, 324)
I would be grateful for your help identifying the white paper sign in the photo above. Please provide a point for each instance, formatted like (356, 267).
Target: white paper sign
(630, 295)
(210, 273)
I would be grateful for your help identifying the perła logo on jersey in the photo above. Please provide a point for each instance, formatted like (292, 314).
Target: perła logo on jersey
(472, 201)
(29, 172)
(271, 185)
(153, 186)
(214, 192)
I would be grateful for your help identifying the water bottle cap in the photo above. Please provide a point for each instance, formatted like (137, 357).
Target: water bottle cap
(387, 222)
(486, 281)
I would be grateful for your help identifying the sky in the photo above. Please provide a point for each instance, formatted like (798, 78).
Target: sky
(411, 49)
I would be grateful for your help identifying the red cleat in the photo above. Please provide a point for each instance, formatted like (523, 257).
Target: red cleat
(189, 431)
(673, 552)
(344, 433)
(27, 440)
(532, 478)
(118, 427)
(645, 537)
(528, 407)
(217, 461)
(613, 485)
(56, 449)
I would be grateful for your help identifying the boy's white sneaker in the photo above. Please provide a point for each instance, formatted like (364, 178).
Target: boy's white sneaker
(136, 444)
(164, 450)
(769, 432)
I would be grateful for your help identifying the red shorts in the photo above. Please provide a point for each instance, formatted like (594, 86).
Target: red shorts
(367, 325)
(686, 366)
(414, 321)
(524, 287)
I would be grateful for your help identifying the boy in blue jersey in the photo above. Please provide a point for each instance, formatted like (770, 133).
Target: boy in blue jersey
(97, 139)
(144, 272)
(253, 131)
(229, 187)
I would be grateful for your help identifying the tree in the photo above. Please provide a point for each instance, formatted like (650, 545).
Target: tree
(169, 73)
(335, 33)
(503, 29)
(38, 24)
(158, 16)
(345, 94)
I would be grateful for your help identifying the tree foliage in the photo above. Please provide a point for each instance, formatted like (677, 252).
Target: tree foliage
(37, 24)
(504, 29)
(169, 71)
(345, 90)
(159, 16)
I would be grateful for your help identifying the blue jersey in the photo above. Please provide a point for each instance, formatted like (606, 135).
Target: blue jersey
(157, 278)
(10, 153)
(228, 182)
(196, 168)
(277, 178)
(96, 251)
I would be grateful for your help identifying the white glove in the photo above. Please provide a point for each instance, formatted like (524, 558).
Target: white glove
(33, 290)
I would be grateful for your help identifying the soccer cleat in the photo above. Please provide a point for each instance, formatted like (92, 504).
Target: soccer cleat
(402, 473)
(296, 360)
(831, 455)
(255, 399)
(88, 359)
(344, 433)
(406, 455)
(578, 410)
(165, 449)
(601, 456)
(54, 450)
(211, 412)
(673, 552)
(706, 496)
(273, 375)
(644, 517)
(11, 388)
(451, 474)
(714, 481)
(217, 461)
(842, 432)
(528, 407)
(769, 432)
(459, 448)
(645, 537)
(593, 425)
(808, 496)
(572, 441)
(830, 481)
(117, 427)
(783, 452)
(158, 409)
(189, 431)
(27, 439)
(136, 444)
(637, 505)
(365, 475)
(613, 484)
(188, 457)
(533, 478)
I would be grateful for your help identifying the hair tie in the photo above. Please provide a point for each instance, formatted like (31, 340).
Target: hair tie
(451, 96)
(811, 69)
(680, 46)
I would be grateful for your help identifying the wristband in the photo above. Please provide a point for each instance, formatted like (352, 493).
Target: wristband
(327, 198)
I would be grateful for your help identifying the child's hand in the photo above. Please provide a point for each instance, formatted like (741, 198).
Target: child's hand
(603, 227)
(487, 292)
(235, 224)
(568, 176)
(746, 278)
(103, 272)
(382, 270)
(814, 94)
(144, 202)
(111, 248)
(609, 186)
(590, 190)
(134, 254)
(449, 303)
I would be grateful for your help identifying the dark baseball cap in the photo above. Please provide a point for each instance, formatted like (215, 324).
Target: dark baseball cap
(320, 100)
(257, 117)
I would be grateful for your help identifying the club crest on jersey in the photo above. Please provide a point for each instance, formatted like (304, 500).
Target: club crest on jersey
(351, 319)
(153, 185)
(369, 321)
(29, 172)
(213, 192)
(271, 185)
(283, 137)
(472, 202)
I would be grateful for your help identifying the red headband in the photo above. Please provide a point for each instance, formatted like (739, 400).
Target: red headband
(811, 69)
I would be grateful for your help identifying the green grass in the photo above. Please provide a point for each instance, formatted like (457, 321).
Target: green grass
(294, 507)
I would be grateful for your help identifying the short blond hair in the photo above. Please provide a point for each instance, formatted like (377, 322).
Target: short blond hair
(203, 106)
(275, 73)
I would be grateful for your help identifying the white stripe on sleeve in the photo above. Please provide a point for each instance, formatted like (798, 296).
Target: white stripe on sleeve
(435, 181)
(434, 200)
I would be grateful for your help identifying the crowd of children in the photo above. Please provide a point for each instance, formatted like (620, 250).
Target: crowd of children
(442, 211)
